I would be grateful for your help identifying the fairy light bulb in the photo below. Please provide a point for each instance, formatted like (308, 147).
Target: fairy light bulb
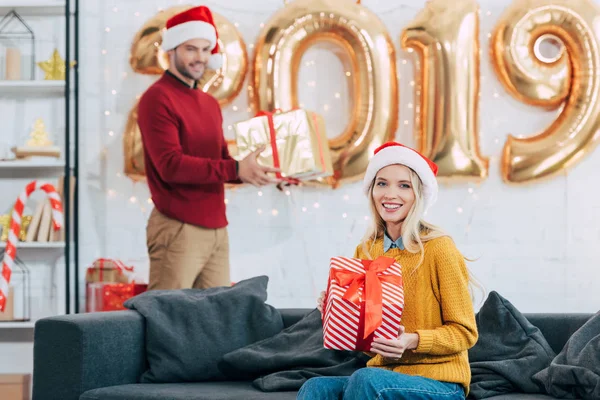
(304, 209)
(459, 210)
(132, 199)
(260, 193)
(111, 133)
(316, 205)
(259, 211)
(344, 215)
(274, 212)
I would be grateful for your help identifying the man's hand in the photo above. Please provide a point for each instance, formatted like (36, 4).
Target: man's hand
(253, 173)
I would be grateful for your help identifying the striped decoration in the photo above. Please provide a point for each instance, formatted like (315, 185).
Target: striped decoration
(343, 320)
(10, 252)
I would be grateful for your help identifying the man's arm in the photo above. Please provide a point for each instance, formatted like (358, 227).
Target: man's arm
(161, 141)
(227, 156)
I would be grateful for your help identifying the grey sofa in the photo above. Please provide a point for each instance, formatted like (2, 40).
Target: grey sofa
(102, 356)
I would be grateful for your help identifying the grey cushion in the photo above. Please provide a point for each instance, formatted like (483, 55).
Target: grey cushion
(575, 372)
(189, 330)
(509, 351)
(185, 391)
(286, 360)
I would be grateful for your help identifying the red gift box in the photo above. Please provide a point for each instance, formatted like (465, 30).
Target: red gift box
(364, 301)
(102, 296)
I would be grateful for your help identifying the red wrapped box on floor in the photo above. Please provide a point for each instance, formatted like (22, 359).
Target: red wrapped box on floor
(364, 301)
(109, 285)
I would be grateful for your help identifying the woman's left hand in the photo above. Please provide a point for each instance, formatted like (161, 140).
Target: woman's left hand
(395, 348)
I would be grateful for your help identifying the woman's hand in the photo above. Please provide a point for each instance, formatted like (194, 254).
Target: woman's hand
(320, 302)
(394, 348)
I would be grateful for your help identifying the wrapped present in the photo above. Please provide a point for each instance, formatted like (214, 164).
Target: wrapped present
(102, 296)
(108, 270)
(364, 301)
(296, 142)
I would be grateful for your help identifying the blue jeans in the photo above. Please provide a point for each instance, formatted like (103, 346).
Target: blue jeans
(378, 384)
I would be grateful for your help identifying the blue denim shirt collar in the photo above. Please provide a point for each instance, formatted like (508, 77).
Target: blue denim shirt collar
(389, 244)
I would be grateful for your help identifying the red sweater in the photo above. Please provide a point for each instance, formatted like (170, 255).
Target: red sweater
(185, 152)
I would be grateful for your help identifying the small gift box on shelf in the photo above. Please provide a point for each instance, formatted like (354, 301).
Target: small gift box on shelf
(109, 283)
(364, 301)
(296, 143)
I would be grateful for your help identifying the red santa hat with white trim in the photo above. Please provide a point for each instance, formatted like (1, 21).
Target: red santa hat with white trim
(395, 153)
(195, 23)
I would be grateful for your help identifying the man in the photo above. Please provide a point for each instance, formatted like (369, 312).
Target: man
(187, 162)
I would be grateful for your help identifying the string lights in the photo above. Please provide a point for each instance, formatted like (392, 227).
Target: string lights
(236, 110)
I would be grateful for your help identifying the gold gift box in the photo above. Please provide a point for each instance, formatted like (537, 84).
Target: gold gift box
(301, 142)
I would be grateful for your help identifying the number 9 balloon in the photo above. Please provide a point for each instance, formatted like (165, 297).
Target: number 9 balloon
(568, 80)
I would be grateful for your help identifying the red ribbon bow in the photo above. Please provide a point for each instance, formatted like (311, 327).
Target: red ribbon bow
(372, 279)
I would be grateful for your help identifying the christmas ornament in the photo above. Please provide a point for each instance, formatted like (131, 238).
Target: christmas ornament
(11, 245)
(444, 36)
(38, 144)
(54, 67)
(566, 80)
(5, 226)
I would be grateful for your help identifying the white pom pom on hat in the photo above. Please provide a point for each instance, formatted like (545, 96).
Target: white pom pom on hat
(391, 153)
(195, 23)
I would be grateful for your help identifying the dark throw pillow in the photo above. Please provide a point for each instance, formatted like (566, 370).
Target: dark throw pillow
(575, 372)
(285, 361)
(509, 351)
(189, 330)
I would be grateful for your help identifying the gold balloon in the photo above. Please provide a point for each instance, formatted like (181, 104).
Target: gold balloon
(148, 58)
(133, 148)
(444, 35)
(372, 73)
(567, 79)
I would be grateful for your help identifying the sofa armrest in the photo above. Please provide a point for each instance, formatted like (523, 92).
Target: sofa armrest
(76, 353)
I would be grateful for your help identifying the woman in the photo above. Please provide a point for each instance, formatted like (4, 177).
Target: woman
(429, 360)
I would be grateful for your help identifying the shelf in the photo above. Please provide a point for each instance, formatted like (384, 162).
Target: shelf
(36, 245)
(33, 7)
(32, 87)
(27, 164)
(17, 325)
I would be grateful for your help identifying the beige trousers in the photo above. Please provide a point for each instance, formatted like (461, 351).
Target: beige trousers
(186, 256)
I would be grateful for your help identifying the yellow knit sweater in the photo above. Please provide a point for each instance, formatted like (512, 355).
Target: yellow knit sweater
(438, 308)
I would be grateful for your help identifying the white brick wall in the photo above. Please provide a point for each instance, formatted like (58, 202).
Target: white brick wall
(535, 244)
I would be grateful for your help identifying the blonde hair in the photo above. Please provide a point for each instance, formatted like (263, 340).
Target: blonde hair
(415, 231)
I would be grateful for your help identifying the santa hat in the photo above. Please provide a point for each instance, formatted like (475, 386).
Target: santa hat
(195, 23)
(395, 153)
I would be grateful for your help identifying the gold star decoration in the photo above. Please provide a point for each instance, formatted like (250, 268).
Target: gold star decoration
(54, 67)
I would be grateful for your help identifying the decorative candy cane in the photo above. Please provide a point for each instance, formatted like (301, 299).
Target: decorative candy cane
(15, 226)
